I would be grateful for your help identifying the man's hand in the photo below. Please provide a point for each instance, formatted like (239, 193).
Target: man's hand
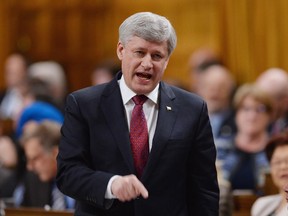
(126, 188)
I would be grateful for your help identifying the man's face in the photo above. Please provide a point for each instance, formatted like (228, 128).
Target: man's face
(143, 63)
(15, 71)
(215, 86)
(252, 117)
(41, 162)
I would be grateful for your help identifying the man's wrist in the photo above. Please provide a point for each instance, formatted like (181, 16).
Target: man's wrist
(108, 193)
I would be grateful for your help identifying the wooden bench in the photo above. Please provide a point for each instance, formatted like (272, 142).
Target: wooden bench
(35, 212)
(243, 202)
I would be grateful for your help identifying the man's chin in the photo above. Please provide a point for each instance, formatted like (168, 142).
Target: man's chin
(43, 179)
(143, 89)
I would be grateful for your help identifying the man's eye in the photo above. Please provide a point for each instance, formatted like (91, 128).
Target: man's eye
(156, 57)
(139, 53)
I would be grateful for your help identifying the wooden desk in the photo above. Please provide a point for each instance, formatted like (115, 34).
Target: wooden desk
(269, 187)
(35, 212)
(243, 203)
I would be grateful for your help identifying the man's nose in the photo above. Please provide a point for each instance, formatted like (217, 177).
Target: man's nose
(147, 62)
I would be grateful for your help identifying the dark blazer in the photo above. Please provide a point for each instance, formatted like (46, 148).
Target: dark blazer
(37, 193)
(180, 174)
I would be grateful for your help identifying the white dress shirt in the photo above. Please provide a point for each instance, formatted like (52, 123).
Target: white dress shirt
(11, 104)
(150, 109)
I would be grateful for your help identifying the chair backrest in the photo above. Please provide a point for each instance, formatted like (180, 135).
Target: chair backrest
(243, 203)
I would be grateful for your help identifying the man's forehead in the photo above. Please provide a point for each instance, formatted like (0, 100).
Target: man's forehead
(140, 43)
(33, 144)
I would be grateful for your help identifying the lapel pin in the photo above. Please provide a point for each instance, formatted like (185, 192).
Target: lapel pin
(168, 108)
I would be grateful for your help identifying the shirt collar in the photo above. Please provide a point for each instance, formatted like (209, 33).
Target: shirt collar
(127, 93)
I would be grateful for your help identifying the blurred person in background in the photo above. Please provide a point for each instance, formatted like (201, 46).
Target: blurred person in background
(274, 81)
(15, 73)
(11, 103)
(246, 164)
(39, 105)
(198, 61)
(8, 165)
(40, 142)
(277, 154)
(216, 87)
(52, 73)
(104, 71)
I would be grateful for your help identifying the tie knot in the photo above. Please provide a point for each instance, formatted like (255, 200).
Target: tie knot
(139, 99)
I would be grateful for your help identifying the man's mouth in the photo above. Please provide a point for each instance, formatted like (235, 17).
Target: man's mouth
(284, 176)
(144, 76)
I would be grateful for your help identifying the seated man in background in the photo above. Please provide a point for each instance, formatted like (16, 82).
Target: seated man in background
(274, 81)
(199, 60)
(216, 87)
(40, 143)
(53, 74)
(15, 74)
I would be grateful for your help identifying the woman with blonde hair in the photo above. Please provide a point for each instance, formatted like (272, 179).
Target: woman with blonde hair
(246, 161)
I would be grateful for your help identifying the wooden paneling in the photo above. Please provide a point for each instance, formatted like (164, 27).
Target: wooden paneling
(4, 38)
(249, 35)
(242, 204)
(78, 34)
(66, 31)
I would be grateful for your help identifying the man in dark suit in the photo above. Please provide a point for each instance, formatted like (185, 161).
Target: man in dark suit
(99, 163)
(15, 74)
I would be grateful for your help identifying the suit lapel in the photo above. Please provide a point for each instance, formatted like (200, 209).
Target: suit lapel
(113, 109)
(165, 122)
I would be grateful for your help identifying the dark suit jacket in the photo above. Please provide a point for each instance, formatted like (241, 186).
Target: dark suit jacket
(37, 193)
(180, 174)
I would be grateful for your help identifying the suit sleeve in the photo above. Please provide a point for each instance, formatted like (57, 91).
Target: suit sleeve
(75, 176)
(203, 184)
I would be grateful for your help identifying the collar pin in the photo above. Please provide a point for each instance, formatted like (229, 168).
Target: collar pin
(168, 108)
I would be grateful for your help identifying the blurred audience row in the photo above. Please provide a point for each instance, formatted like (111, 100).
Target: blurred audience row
(249, 124)
(31, 114)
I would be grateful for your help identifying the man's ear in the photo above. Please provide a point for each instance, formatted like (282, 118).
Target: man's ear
(120, 50)
(55, 150)
(166, 63)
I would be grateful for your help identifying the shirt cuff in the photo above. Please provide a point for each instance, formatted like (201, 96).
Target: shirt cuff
(108, 193)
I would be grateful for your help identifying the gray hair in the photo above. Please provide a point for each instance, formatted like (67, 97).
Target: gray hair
(47, 132)
(150, 27)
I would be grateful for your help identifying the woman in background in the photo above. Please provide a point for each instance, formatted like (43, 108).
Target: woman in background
(277, 154)
(246, 162)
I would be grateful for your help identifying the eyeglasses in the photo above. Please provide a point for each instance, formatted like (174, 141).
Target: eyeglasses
(257, 109)
(277, 163)
(35, 158)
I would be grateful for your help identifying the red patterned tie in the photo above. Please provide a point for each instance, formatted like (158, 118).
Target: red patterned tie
(139, 135)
